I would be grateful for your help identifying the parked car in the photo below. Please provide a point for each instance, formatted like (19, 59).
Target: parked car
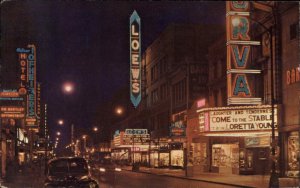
(69, 172)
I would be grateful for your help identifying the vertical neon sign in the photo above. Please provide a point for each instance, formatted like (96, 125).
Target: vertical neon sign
(31, 78)
(135, 59)
(239, 47)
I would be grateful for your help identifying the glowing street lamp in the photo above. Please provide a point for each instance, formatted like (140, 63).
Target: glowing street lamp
(119, 110)
(60, 122)
(95, 129)
(58, 133)
(68, 87)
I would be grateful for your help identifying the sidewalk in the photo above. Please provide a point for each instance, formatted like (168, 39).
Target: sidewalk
(259, 181)
(27, 178)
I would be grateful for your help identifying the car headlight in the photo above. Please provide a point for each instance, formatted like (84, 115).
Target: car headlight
(118, 169)
(102, 169)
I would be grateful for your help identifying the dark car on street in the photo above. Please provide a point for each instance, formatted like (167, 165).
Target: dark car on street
(69, 172)
(107, 169)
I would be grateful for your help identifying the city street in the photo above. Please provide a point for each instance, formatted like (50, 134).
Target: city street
(149, 94)
(142, 180)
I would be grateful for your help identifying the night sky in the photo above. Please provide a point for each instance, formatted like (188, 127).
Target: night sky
(87, 43)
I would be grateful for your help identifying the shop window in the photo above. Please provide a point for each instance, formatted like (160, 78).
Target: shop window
(177, 158)
(224, 155)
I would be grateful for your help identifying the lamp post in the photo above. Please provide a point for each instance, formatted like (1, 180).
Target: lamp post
(84, 143)
(274, 178)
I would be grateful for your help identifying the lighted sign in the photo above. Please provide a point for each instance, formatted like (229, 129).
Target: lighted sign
(137, 136)
(31, 78)
(23, 62)
(201, 103)
(136, 131)
(177, 129)
(135, 59)
(246, 118)
(293, 76)
(239, 46)
(38, 106)
(129, 139)
(9, 93)
(12, 112)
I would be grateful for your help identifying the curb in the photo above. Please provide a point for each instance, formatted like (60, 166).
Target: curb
(188, 178)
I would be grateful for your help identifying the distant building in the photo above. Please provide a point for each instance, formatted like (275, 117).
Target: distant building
(174, 74)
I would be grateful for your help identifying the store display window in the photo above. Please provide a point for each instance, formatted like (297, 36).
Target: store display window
(177, 158)
(200, 154)
(164, 159)
(224, 155)
(154, 159)
(293, 155)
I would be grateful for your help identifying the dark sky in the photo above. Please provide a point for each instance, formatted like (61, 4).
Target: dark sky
(87, 42)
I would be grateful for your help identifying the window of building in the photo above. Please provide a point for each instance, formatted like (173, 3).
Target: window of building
(163, 66)
(294, 29)
(154, 96)
(163, 91)
(179, 91)
(154, 73)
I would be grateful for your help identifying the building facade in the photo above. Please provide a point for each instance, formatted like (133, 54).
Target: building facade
(238, 138)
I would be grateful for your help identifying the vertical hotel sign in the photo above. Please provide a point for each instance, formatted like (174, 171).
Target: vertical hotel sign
(27, 58)
(135, 59)
(240, 76)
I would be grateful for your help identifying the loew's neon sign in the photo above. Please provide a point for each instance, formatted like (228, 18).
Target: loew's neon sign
(135, 59)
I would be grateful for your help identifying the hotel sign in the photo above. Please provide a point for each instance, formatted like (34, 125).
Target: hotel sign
(28, 85)
(240, 76)
(135, 59)
(244, 118)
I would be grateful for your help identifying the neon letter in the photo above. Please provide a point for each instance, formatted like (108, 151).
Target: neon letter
(241, 85)
(240, 31)
(240, 58)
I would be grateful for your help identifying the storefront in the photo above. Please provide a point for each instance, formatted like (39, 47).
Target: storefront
(176, 155)
(177, 145)
(234, 140)
(225, 157)
(160, 153)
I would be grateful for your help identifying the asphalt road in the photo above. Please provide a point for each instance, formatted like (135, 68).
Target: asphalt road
(128, 179)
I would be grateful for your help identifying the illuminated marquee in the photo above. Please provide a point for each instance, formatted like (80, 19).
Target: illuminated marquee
(137, 136)
(135, 59)
(239, 46)
(245, 118)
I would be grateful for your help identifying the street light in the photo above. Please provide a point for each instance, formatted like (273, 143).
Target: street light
(84, 142)
(95, 129)
(58, 133)
(60, 122)
(68, 87)
(119, 110)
